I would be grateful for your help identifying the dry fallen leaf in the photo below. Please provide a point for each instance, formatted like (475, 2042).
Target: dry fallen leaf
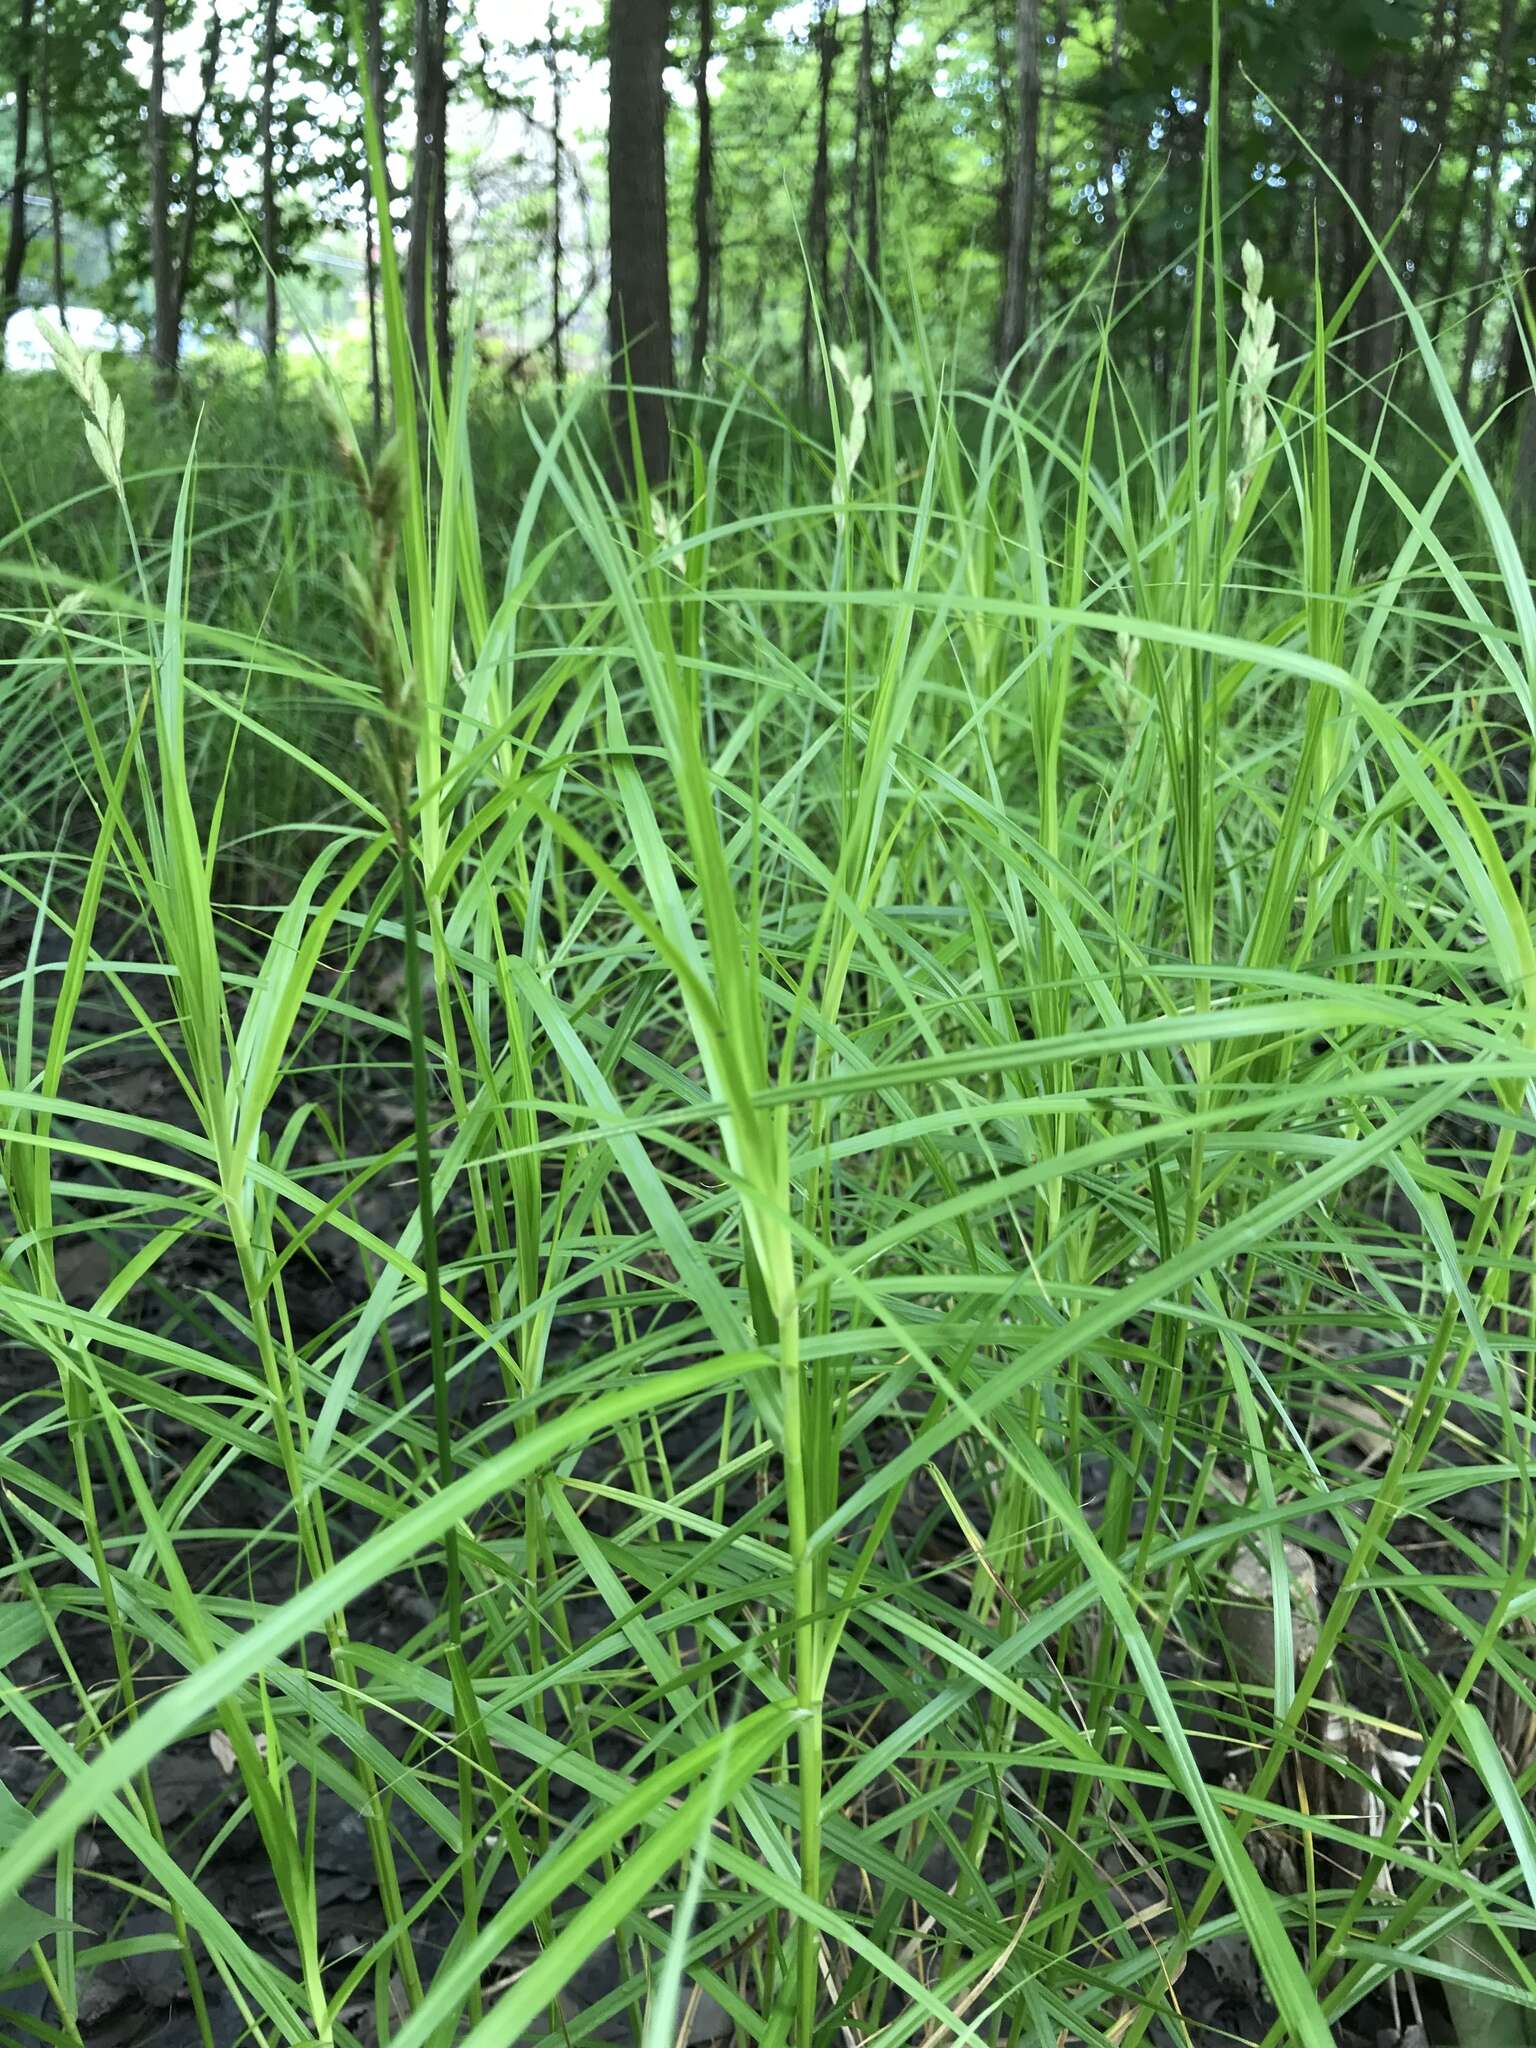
(224, 1750)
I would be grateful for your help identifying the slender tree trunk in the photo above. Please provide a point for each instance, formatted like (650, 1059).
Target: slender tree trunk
(417, 271)
(880, 152)
(1442, 65)
(1519, 420)
(1492, 103)
(1018, 293)
(863, 92)
(1346, 238)
(640, 298)
(51, 171)
(166, 342)
(1007, 142)
(556, 235)
(16, 232)
(189, 212)
(818, 279)
(1112, 139)
(373, 88)
(269, 182)
(703, 194)
(442, 281)
(1045, 179)
(1493, 108)
(1472, 341)
(1112, 118)
(426, 299)
(1376, 335)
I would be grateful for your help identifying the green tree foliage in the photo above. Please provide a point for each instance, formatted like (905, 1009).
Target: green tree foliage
(1339, 119)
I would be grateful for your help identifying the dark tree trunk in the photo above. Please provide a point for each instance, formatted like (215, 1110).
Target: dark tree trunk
(1494, 107)
(1372, 314)
(1018, 291)
(1112, 117)
(182, 273)
(1347, 237)
(1442, 57)
(818, 280)
(16, 233)
(863, 96)
(1492, 103)
(1002, 65)
(426, 284)
(51, 173)
(373, 58)
(880, 151)
(640, 299)
(166, 343)
(1519, 417)
(703, 194)
(556, 225)
(269, 182)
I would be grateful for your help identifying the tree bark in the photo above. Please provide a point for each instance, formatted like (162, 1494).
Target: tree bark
(426, 284)
(165, 347)
(51, 170)
(880, 152)
(1018, 294)
(863, 93)
(1519, 418)
(1492, 108)
(1442, 60)
(818, 279)
(16, 234)
(703, 194)
(1112, 117)
(373, 57)
(183, 265)
(640, 298)
(269, 183)
(556, 237)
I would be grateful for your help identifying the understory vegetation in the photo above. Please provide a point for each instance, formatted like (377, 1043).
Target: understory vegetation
(768, 1253)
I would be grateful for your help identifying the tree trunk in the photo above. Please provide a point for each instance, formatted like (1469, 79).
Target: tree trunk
(426, 282)
(442, 284)
(16, 234)
(373, 58)
(1006, 127)
(818, 279)
(879, 152)
(1018, 294)
(269, 182)
(165, 346)
(640, 299)
(182, 272)
(1492, 103)
(1518, 422)
(1112, 118)
(556, 238)
(1492, 108)
(703, 194)
(51, 172)
(1442, 61)
(863, 93)
(1347, 236)
(1374, 315)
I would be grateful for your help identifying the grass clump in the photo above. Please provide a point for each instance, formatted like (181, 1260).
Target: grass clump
(692, 1186)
